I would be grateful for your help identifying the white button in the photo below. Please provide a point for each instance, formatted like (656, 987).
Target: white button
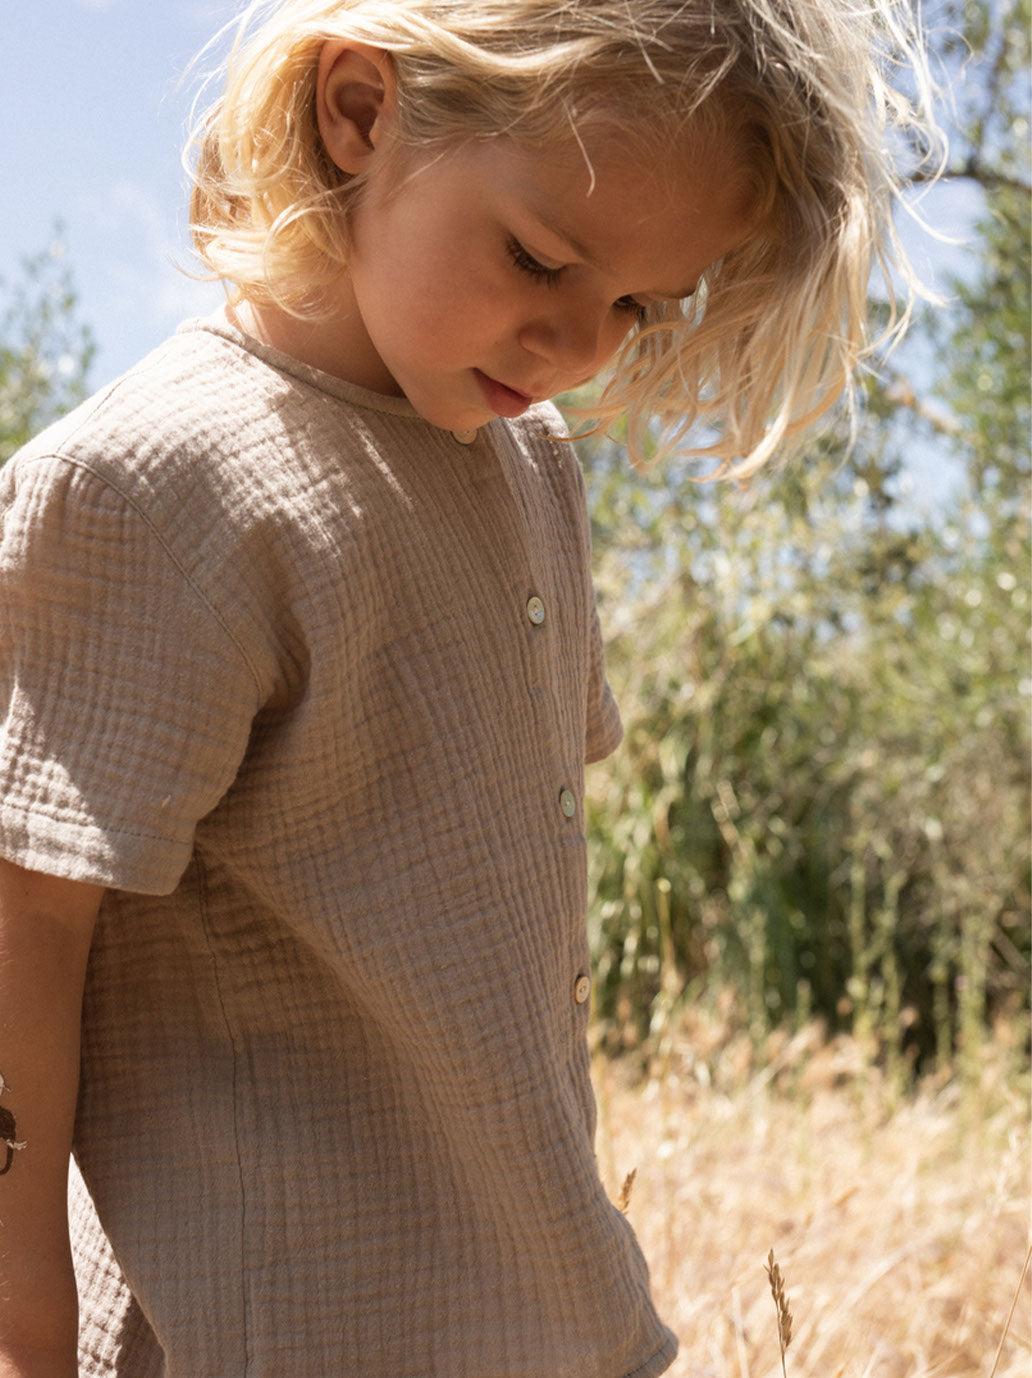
(581, 989)
(567, 803)
(465, 437)
(536, 611)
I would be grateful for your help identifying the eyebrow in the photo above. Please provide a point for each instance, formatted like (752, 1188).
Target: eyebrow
(582, 251)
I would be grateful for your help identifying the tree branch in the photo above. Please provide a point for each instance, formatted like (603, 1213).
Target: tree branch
(901, 391)
(972, 169)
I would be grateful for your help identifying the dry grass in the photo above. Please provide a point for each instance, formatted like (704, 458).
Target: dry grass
(781, 1306)
(901, 1229)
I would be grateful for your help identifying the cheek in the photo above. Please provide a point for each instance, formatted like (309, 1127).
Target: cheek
(452, 292)
(428, 281)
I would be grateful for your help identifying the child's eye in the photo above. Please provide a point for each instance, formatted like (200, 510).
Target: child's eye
(527, 263)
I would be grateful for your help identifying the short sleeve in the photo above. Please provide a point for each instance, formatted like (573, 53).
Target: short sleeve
(604, 730)
(125, 704)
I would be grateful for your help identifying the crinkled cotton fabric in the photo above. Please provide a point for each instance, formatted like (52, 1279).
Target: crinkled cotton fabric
(309, 685)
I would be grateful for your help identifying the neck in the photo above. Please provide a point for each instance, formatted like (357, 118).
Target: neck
(336, 345)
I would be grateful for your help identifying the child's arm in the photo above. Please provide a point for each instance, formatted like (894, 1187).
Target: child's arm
(46, 925)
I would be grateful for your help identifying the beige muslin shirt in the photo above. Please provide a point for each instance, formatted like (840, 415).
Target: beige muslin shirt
(310, 684)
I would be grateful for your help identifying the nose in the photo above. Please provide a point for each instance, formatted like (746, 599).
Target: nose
(574, 341)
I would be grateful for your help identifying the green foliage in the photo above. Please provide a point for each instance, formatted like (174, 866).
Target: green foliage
(987, 342)
(822, 802)
(824, 780)
(45, 354)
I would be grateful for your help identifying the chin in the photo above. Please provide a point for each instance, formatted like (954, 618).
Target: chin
(453, 405)
(454, 418)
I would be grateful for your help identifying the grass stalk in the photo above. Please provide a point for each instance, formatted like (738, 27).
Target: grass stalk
(777, 1291)
(1010, 1314)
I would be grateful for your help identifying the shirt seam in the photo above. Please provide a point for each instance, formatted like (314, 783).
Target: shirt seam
(173, 559)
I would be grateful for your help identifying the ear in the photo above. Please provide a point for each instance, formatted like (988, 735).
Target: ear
(355, 102)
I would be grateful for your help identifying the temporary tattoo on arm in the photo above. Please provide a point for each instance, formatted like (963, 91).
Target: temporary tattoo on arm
(9, 1144)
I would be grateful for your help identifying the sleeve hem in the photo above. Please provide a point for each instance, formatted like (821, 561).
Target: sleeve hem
(90, 853)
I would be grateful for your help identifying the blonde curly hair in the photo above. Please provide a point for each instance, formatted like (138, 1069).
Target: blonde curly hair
(807, 89)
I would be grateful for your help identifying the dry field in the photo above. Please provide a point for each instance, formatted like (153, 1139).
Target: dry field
(901, 1229)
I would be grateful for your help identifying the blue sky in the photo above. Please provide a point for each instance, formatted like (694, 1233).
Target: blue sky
(93, 120)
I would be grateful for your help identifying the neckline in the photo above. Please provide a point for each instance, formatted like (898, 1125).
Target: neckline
(217, 324)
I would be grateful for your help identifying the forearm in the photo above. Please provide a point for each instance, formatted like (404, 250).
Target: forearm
(38, 1301)
(45, 930)
(39, 1311)
(30, 1361)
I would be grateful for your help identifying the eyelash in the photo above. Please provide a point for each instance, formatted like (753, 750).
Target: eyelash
(528, 264)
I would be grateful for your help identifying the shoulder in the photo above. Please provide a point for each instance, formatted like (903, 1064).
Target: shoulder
(542, 435)
(211, 445)
(546, 415)
(543, 424)
(195, 396)
(196, 466)
(543, 441)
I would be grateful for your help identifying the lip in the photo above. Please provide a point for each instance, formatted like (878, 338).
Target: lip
(505, 401)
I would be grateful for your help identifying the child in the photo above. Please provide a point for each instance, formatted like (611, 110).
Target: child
(301, 668)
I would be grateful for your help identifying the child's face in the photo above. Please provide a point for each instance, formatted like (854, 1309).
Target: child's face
(490, 277)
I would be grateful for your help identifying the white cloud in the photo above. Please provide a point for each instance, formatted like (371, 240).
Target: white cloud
(133, 293)
(150, 246)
